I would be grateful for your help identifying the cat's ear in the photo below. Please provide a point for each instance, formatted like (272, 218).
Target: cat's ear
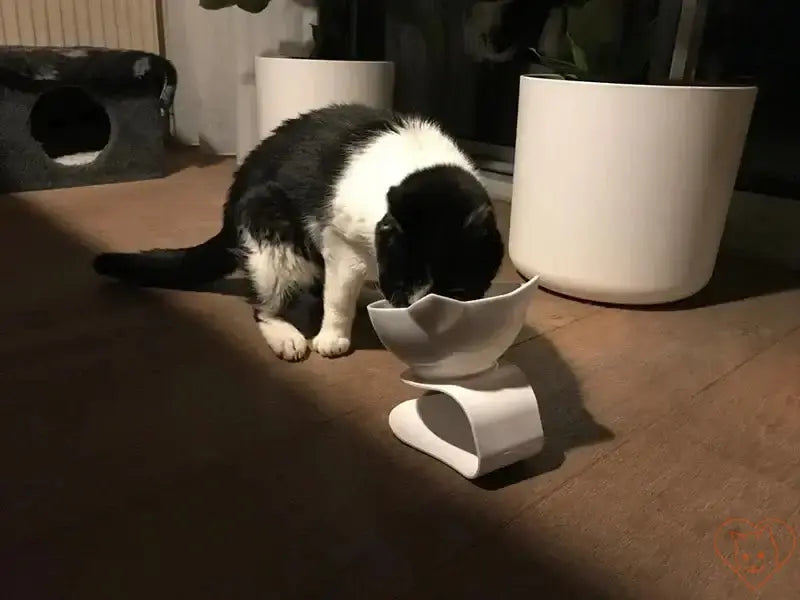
(389, 235)
(393, 197)
(392, 255)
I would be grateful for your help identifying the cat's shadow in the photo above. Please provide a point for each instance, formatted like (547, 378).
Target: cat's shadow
(565, 419)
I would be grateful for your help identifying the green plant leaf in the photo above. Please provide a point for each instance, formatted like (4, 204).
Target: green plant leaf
(578, 55)
(562, 67)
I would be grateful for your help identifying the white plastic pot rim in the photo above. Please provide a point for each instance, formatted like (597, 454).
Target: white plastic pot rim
(555, 79)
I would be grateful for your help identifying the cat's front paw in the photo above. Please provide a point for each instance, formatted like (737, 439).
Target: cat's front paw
(330, 344)
(292, 349)
(285, 341)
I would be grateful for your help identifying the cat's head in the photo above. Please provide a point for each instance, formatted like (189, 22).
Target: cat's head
(439, 236)
(754, 551)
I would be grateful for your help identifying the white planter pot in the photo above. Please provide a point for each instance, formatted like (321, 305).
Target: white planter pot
(288, 87)
(621, 192)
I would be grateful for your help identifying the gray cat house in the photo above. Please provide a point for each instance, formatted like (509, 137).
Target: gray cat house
(82, 116)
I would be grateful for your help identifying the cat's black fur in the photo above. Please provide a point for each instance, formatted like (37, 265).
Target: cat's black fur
(440, 226)
(280, 189)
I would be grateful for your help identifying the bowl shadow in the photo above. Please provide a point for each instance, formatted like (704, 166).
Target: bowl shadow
(149, 451)
(566, 422)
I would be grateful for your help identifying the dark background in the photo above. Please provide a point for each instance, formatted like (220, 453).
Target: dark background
(758, 41)
(743, 41)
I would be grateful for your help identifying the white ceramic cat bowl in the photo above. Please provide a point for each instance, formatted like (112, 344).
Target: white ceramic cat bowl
(441, 338)
(476, 415)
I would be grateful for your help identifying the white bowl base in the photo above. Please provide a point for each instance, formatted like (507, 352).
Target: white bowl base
(474, 425)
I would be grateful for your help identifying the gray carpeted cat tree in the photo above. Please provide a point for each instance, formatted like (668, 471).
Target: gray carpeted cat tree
(82, 116)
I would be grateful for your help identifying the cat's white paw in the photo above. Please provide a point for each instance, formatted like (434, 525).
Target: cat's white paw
(330, 344)
(284, 340)
(291, 349)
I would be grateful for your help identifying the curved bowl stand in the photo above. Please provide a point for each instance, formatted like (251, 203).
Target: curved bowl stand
(475, 424)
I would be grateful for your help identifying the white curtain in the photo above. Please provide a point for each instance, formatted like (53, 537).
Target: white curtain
(214, 54)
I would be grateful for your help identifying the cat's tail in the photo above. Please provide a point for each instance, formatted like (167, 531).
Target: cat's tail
(173, 268)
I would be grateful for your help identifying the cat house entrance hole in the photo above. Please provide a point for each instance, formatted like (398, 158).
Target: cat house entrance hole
(70, 125)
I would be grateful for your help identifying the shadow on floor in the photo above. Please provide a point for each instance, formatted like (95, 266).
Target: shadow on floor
(145, 454)
(565, 421)
(305, 312)
(180, 157)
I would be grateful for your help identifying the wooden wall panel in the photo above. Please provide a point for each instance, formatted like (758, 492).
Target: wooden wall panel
(129, 24)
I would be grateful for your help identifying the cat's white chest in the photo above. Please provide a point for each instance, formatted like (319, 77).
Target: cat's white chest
(357, 229)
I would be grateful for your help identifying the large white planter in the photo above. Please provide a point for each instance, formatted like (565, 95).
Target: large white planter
(621, 192)
(288, 87)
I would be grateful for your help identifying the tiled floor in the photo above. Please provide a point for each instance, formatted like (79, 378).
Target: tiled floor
(152, 447)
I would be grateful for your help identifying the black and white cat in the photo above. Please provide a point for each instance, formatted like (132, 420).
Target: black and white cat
(339, 195)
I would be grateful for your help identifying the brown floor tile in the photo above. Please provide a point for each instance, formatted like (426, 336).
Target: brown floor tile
(638, 524)
(752, 417)
(151, 445)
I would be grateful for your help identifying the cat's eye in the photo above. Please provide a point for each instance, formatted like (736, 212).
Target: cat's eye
(760, 555)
